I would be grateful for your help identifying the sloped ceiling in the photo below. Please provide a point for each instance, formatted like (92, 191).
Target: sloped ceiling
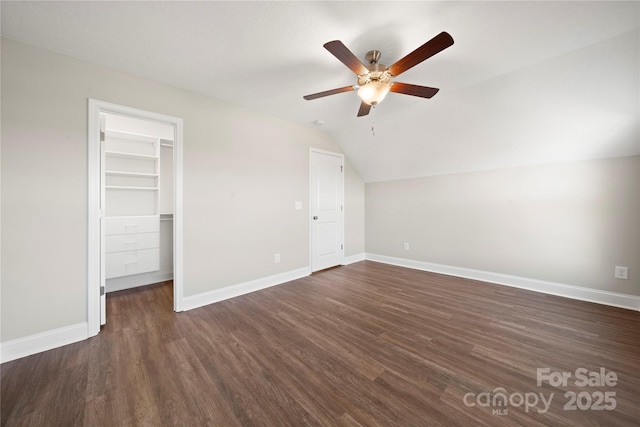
(524, 83)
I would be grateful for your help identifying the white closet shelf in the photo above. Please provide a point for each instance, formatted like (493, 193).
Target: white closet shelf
(133, 174)
(130, 155)
(122, 187)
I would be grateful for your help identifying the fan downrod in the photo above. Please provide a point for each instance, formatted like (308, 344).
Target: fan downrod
(373, 56)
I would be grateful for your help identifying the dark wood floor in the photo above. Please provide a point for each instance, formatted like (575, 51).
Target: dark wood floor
(363, 345)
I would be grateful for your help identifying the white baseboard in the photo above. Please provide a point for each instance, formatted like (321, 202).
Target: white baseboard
(32, 344)
(206, 298)
(630, 302)
(133, 281)
(353, 258)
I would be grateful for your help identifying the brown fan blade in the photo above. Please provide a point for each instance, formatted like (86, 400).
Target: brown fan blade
(415, 90)
(364, 109)
(329, 92)
(345, 56)
(427, 50)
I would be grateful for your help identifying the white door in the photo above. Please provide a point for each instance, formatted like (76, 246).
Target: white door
(103, 210)
(327, 205)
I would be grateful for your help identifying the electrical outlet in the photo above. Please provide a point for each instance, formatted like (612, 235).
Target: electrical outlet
(276, 258)
(621, 272)
(406, 246)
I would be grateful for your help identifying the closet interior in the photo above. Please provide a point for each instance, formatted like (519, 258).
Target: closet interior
(137, 191)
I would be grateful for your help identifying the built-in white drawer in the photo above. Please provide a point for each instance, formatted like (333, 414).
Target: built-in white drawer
(132, 262)
(131, 242)
(132, 224)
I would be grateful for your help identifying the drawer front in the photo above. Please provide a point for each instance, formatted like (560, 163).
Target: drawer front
(132, 224)
(131, 242)
(132, 262)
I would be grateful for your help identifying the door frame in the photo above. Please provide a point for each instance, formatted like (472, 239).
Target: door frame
(341, 156)
(95, 255)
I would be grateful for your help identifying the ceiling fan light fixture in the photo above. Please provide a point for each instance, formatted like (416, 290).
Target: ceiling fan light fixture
(374, 91)
(375, 80)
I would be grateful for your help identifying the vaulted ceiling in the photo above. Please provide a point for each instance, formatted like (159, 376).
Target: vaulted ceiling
(525, 82)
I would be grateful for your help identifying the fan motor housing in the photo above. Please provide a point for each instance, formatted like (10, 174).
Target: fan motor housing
(377, 71)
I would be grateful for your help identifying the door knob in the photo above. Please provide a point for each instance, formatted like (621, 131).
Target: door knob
(315, 217)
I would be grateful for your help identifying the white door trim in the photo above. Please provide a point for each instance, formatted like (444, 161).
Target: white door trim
(94, 252)
(341, 156)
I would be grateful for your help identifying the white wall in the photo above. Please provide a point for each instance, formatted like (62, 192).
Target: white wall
(243, 171)
(353, 212)
(567, 223)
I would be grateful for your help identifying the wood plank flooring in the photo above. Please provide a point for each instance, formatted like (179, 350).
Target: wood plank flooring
(363, 345)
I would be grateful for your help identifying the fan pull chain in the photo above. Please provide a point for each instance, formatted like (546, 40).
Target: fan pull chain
(373, 120)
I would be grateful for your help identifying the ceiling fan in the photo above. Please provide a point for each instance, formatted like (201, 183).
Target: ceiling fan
(376, 80)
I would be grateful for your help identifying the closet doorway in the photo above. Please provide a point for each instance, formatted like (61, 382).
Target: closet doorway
(135, 204)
